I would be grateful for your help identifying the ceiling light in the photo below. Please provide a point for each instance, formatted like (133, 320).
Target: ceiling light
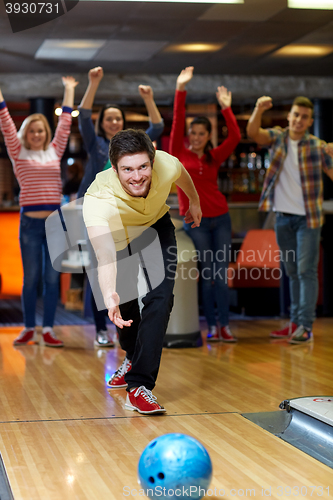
(82, 50)
(58, 111)
(182, 1)
(310, 4)
(195, 47)
(294, 50)
(76, 44)
(75, 113)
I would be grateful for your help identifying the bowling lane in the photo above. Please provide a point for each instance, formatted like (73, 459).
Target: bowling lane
(97, 459)
(41, 383)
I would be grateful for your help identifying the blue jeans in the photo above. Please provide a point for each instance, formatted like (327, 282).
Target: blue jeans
(299, 247)
(36, 263)
(212, 241)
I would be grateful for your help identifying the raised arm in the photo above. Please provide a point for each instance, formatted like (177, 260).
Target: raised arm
(221, 152)
(69, 83)
(179, 112)
(147, 95)
(254, 129)
(65, 121)
(105, 250)
(185, 183)
(184, 77)
(95, 76)
(86, 126)
(156, 126)
(9, 131)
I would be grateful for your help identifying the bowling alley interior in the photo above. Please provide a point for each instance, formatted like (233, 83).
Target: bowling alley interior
(254, 391)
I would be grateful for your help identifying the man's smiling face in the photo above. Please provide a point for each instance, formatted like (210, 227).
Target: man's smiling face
(135, 172)
(300, 119)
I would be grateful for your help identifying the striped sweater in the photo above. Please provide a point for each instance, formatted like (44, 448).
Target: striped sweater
(38, 172)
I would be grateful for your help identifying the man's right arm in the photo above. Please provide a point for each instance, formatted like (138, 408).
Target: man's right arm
(105, 250)
(254, 129)
(185, 183)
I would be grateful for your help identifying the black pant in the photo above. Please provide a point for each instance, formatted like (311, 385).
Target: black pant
(99, 316)
(143, 340)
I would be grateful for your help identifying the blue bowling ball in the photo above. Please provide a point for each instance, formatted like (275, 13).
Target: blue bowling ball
(175, 466)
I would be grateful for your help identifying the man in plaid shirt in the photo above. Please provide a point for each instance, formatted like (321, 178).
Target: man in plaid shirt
(293, 188)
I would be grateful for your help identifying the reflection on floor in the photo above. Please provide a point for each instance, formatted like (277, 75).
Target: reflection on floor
(64, 435)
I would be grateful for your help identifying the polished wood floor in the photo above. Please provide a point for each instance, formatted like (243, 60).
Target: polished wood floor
(63, 435)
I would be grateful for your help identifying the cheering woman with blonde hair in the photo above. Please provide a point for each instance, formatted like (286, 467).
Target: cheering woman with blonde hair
(36, 163)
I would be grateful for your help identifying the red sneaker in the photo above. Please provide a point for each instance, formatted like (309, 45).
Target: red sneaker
(285, 333)
(27, 335)
(49, 338)
(118, 378)
(143, 401)
(226, 335)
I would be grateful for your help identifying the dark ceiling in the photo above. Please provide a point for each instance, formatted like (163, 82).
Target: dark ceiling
(137, 35)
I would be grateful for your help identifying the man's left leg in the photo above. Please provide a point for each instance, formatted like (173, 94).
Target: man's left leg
(127, 288)
(157, 306)
(308, 243)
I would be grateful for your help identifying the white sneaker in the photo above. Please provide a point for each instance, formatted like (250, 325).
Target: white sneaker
(102, 339)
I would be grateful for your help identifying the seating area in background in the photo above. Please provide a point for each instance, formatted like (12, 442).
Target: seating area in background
(256, 274)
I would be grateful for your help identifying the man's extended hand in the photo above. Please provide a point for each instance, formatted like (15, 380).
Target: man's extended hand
(264, 103)
(115, 314)
(193, 214)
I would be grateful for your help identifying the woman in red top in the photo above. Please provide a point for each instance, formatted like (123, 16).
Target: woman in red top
(213, 238)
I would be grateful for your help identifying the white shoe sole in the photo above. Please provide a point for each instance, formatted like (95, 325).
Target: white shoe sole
(300, 342)
(43, 343)
(116, 386)
(96, 344)
(128, 406)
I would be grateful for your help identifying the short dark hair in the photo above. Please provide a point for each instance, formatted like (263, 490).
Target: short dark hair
(303, 101)
(130, 142)
(98, 125)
